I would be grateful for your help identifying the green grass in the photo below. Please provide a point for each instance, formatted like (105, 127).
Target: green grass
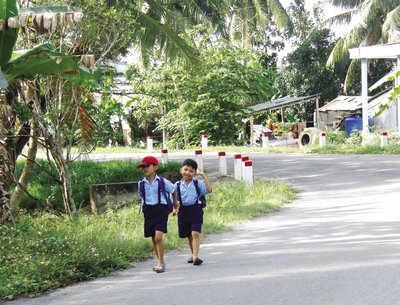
(48, 251)
(355, 149)
(48, 193)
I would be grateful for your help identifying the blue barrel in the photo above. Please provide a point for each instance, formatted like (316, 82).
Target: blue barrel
(353, 123)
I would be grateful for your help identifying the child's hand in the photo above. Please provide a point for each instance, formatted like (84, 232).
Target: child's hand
(200, 172)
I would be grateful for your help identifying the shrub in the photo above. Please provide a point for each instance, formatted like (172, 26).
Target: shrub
(48, 192)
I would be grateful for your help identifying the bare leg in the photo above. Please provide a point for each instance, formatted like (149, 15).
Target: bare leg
(190, 239)
(159, 248)
(195, 244)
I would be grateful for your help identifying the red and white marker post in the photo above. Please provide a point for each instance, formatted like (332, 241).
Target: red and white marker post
(265, 140)
(384, 139)
(222, 164)
(322, 139)
(237, 166)
(164, 156)
(244, 159)
(149, 144)
(248, 172)
(199, 159)
(204, 141)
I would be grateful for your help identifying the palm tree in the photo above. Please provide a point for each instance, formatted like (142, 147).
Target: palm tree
(371, 21)
(249, 16)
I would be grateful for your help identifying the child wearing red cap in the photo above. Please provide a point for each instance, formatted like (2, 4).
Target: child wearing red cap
(155, 192)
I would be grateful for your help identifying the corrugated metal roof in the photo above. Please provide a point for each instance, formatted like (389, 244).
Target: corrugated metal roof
(279, 103)
(352, 103)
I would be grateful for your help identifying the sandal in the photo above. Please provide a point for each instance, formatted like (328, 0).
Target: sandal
(197, 262)
(160, 269)
(190, 260)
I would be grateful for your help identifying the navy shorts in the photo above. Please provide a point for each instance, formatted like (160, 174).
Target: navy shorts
(190, 218)
(155, 219)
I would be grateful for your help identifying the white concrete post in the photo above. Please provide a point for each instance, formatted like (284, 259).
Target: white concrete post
(244, 159)
(384, 139)
(238, 167)
(199, 159)
(149, 144)
(204, 141)
(265, 140)
(248, 172)
(322, 139)
(164, 156)
(222, 164)
(364, 97)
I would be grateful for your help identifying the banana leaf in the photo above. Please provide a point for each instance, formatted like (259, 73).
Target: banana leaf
(8, 8)
(8, 37)
(44, 60)
(83, 77)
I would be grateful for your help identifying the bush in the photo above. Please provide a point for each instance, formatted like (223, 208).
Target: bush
(48, 192)
(336, 136)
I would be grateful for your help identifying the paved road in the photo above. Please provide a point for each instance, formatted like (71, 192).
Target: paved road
(338, 243)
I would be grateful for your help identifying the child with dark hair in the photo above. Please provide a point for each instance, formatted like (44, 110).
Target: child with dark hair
(190, 213)
(155, 192)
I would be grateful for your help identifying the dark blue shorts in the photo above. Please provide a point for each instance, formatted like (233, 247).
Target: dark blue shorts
(155, 219)
(190, 218)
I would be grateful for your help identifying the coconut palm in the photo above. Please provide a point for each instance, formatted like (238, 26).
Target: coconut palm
(249, 16)
(371, 21)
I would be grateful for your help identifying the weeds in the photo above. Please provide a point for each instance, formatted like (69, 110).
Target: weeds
(48, 251)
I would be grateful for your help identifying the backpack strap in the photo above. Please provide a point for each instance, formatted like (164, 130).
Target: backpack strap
(200, 198)
(161, 189)
(196, 185)
(142, 191)
(178, 191)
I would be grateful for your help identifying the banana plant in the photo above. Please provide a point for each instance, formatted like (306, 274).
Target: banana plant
(26, 64)
(42, 59)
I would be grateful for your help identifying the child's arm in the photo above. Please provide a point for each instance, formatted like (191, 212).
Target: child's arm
(206, 181)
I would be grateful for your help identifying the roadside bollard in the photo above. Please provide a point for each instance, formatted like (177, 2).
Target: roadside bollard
(149, 144)
(384, 139)
(164, 156)
(244, 159)
(265, 140)
(204, 141)
(248, 172)
(322, 139)
(238, 167)
(199, 159)
(222, 164)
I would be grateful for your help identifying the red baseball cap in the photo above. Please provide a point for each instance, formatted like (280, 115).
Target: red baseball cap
(146, 160)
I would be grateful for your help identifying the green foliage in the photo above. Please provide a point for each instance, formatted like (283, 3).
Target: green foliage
(205, 100)
(304, 70)
(48, 251)
(336, 136)
(48, 193)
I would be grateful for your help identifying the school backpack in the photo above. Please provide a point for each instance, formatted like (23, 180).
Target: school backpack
(161, 190)
(201, 198)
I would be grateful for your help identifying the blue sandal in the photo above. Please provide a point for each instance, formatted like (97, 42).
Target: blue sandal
(159, 269)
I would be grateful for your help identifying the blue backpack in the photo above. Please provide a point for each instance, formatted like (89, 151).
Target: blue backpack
(201, 198)
(161, 190)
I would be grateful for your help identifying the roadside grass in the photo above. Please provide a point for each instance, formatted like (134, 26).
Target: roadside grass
(330, 148)
(355, 149)
(47, 251)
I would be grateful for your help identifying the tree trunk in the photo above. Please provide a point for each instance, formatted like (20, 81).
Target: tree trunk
(26, 174)
(6, 178)
(66, 185)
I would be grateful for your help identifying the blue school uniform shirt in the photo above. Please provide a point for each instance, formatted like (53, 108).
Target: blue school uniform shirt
(189, 193)
(151, 190)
